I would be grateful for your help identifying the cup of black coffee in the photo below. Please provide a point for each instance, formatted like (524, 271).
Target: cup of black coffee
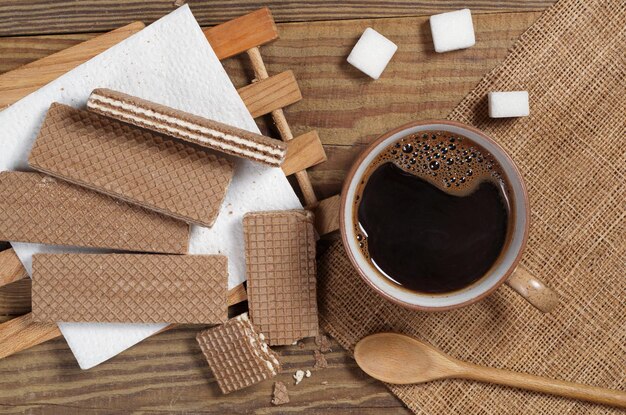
(435, 216)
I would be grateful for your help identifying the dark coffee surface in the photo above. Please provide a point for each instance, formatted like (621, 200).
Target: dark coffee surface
(432, 212)
(428, 240)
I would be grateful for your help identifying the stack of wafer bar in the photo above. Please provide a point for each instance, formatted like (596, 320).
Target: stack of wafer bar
(237, 354)
(281, 272)
(132, 164)
(42, 209)
(130, 288)
(188, 127)
(161, 160)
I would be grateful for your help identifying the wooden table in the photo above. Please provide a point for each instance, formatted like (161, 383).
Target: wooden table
(167, 373)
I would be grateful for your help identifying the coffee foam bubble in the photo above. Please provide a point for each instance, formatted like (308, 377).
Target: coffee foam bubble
(450, 162)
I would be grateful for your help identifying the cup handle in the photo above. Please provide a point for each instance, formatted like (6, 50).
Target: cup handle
(533, 290)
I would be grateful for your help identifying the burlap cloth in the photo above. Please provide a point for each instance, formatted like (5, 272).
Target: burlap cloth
(572, 153)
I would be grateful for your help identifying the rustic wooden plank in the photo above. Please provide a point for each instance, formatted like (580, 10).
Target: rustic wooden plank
(15, 298)
(267, 95)
(20, 50)
(243, 33)
(67, 16)
(303, 152)
(21, 82)
(168, 374)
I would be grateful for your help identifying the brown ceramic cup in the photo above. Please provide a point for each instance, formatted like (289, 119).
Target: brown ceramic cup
(507, 267)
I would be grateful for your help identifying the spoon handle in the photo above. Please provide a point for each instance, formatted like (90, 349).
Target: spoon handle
(546, 385)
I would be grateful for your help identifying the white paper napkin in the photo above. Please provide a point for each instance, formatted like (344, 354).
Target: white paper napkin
(172, 63)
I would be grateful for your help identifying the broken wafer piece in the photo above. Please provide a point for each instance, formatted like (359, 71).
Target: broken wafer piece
(41, 209)
(320, 360)
(188, 127)
(157, 172)
(237, 354)
(280, 395)
(130, 288)
(281, 272)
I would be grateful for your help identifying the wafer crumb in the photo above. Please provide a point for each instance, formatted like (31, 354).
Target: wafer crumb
(280, 396)
(323, 343)
(320, 360)
(298, 376)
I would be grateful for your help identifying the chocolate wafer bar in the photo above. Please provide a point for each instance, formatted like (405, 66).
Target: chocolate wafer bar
(132, 164)
(42, 209)
(237, 354)
(188, 127)
(130, 288)
(280, 267)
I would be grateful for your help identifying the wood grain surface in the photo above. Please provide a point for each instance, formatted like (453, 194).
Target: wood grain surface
(19, 17)
(348, 109)
(242, 33)
(30, 77)
(166, 373)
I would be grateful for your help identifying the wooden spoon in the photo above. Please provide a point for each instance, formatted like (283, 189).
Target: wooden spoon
(396, 358)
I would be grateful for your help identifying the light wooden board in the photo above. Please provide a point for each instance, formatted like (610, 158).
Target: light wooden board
(10, 267)
(303, 152)
(238, 35)
(166, 373)
(267, 95)
(17, 84)
(69, 16)
(327, 215)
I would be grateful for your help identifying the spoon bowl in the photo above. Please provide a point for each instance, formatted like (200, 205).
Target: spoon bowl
(396, 358)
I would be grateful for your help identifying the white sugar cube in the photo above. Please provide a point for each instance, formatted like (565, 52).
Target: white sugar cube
(452, 30)
(508, 104)
(372, 53)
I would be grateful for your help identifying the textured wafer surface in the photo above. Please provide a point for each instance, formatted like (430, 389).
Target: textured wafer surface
(237, 354)
(280, 395)
(281, 271)
(42, 209)
(186, 126)
(123, 161)
(131, 288)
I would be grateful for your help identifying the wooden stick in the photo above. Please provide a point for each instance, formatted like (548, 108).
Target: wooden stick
(283, 128)
(22, 333)
(11, 268)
